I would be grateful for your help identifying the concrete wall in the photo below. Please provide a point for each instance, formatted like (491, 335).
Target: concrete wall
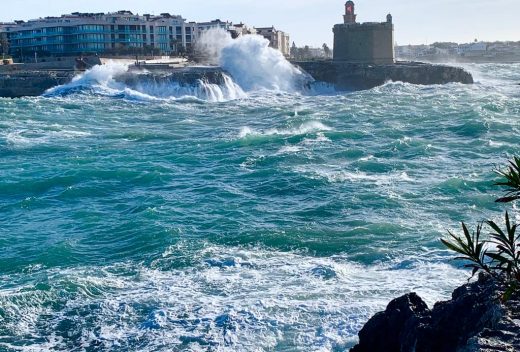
(364, 43)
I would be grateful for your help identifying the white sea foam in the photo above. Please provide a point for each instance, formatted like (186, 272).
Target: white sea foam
(233, 298)
(333, 174)
(305, 128)
(102, 80)
(249, 60)
(25, 137)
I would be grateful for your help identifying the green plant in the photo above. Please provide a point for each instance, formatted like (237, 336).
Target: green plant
(499, 256)
(512, 181)
(507, 257)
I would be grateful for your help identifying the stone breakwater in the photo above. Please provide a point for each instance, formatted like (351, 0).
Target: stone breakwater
(353, 76)
(474, 320)
(16, 84)
(25, 82)
(186, 76)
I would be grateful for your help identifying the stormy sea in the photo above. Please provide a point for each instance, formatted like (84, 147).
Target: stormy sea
(256, 215)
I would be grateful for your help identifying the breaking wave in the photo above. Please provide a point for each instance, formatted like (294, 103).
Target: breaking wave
(232, 299)
(103, 80)
(248, 64)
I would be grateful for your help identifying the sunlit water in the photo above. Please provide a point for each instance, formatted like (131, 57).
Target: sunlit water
(252, 221)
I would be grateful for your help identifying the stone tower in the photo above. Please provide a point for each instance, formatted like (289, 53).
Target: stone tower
(350, 13)
(368, 43)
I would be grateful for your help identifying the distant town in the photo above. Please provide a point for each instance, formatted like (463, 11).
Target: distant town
(477, 51)
(124, 33)
(119, 33)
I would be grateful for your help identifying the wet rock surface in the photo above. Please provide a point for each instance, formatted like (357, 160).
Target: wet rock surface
(353, 76)
(474, 320)
(16, 84)
(187, 76)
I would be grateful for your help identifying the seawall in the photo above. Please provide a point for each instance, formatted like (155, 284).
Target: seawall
(18, 84)
(357, 76)
(33, 79)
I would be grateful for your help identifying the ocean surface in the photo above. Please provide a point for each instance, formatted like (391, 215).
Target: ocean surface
(238, 218)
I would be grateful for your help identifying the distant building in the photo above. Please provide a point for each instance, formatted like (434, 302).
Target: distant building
(215, 24)
(363, 42)
(82, 33)
(120, 33)
(473, 49)
(277, 39)
(242, 29)
(236, 30)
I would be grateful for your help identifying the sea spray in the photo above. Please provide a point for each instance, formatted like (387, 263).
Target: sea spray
(251, 62)
(109, 80)
(100, 76)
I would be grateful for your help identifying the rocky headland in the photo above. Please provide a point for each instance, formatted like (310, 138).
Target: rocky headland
(356, 76)
(475, 319)
(20, 81)
(35, 79)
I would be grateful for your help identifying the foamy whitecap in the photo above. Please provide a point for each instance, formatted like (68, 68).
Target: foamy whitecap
(21, 138)
(333, 175)
(233, 298)
(305, 128)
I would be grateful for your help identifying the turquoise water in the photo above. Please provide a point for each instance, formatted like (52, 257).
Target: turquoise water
(277, 221)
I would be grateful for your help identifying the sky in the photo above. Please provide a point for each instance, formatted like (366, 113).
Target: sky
(310, 22)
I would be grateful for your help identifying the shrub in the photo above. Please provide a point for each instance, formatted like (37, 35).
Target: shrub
(499, 255)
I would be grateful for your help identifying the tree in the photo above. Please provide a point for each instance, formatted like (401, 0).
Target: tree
(306, 52)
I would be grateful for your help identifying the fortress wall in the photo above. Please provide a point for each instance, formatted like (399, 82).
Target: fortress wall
(364, 43)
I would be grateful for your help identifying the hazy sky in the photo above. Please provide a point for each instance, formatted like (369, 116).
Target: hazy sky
(310, 21)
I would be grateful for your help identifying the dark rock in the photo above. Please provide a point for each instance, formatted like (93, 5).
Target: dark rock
(160, 76)
(473, 308)
(473, 320)
(20, 82)
(17, 84)
(386, 330)
(355, 76)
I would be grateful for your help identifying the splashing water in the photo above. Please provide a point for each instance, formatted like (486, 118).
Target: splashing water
(251, 62)
(100, 77)
(103, 80)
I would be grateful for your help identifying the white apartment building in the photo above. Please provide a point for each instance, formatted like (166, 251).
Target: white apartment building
(277, 39)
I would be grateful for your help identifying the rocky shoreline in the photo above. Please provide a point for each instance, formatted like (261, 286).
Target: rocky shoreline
(475, 319)
(17, 84)
(22, 82)
(356, 76)
(33, 80)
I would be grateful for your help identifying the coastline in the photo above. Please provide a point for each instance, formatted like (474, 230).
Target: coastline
(474, 320)
(35, 79)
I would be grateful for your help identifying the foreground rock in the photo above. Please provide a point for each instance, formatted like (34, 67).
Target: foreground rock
(352, 76)
(473, 320)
